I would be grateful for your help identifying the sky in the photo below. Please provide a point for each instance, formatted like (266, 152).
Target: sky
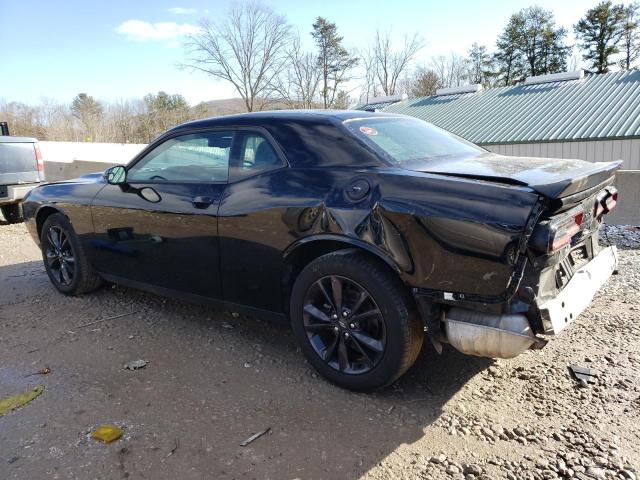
(125, 49)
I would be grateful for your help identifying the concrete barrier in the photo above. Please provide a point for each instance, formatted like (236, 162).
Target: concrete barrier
(66, 160)
(59, 171)
(67, 152)
(627, 212)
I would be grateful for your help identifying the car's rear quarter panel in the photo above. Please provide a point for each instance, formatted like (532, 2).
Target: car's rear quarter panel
(441, 233)
(459, 235)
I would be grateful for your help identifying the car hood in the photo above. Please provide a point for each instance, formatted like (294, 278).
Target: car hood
(551, 177)
(92, 177)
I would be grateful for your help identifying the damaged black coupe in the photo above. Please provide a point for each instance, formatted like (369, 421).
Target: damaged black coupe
(367, 231)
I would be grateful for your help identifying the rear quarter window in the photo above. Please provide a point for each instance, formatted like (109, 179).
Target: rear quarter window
(314, 144)
(404, 140)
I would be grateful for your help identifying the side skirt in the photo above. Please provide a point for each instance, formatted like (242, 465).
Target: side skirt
(198, 299)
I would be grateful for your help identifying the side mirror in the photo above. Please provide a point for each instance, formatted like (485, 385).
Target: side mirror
(116, 175)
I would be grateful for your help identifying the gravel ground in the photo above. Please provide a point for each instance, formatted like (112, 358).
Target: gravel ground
(214, 379)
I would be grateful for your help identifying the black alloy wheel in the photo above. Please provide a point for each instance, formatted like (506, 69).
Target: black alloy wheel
(344, 325)
(355, 320)
(59, 256)
(67, 265)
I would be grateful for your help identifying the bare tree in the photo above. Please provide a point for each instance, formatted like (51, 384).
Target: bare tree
(247, 48)
(452, 70)
(423, 83)
(123, 121)
(299, 83)
(57, 121)
(369, 81)
(389, 63)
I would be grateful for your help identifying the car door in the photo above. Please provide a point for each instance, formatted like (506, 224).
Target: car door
(250, 223)
(160, 227)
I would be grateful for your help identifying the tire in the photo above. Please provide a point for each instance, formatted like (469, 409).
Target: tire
(379, 348)
(13, 213)
(66, 255)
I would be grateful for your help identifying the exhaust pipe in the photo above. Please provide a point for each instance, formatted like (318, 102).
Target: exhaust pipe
(489, 335)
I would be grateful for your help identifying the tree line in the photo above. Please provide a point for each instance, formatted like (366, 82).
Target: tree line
(258, 52)
(86, 119)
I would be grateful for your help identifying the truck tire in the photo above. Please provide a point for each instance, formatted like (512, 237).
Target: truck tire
(12, 213)
(64, 258)
(355, 321)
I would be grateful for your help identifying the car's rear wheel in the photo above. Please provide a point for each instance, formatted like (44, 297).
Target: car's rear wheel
(12, 213)
(355, 321)
(64, 259)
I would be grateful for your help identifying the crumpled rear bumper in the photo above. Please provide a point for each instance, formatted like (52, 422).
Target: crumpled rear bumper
(576, 296)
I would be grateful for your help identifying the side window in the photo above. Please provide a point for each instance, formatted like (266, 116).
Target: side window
(198, 157)
(255, 155)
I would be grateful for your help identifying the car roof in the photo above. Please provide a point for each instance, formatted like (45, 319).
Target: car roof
(266, 117)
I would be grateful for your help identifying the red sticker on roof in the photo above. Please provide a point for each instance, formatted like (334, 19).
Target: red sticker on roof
(368, 131)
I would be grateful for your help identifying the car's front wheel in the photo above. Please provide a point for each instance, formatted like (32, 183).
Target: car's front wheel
(355, 321)
(64, 258)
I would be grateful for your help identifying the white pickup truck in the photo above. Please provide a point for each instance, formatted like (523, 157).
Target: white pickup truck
(21, 169)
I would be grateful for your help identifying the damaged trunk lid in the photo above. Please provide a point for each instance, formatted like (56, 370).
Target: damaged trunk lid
(552, 177)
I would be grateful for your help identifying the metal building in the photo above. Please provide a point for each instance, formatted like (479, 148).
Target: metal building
(566, 115)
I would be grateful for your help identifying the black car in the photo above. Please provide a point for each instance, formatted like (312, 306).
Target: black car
(366, 231)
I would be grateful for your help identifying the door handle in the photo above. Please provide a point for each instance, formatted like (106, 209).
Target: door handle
(202, 202)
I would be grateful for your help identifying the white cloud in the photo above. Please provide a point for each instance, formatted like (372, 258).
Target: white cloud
(182, 10)
(141, 31)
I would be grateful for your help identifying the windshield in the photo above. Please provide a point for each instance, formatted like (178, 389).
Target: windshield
(405, 140)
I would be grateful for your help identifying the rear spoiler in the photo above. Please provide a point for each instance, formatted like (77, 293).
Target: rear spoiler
(593, 176)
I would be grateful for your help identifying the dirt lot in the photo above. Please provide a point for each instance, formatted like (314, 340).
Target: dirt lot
(214, 379)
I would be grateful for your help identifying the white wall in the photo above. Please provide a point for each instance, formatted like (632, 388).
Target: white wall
(594, 151)
(67, 152)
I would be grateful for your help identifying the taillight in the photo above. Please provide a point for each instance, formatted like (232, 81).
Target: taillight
(39, 160)
(563, 229)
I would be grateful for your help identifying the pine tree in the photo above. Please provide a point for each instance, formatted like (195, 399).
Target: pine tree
(508, 58)
(530, 44)
(540, 42)
(334, 60)
(480, 64)
(599, 32)
(89, 111)
(630, 41)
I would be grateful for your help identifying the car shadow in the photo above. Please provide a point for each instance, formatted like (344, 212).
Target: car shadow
(213, 380)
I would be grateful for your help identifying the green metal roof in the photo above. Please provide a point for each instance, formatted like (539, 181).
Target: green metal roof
(595, 107)
(372, 107)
